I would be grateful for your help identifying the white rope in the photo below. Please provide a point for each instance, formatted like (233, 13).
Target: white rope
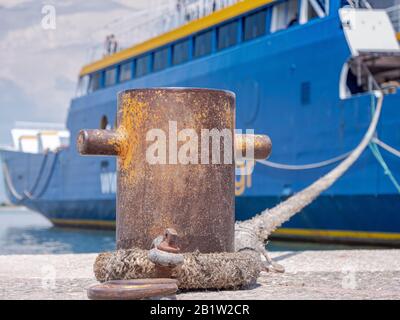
(386, 147)
(316, 165)
(10, 185)
(325, 163)
(29, 194)
(269, 220)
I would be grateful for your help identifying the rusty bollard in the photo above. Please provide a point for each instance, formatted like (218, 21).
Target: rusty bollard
(197, 198)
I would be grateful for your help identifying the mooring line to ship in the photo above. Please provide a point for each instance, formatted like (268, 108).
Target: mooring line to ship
(38, 177)
(325, 163)
(47, 182)
(375, 151)
(310, 166)
(386, 147)
(27, 194)
(10, 185)
(262, 225)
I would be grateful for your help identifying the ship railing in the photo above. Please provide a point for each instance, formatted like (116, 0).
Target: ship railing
(394, 15)
(360, 4)
(164, 16)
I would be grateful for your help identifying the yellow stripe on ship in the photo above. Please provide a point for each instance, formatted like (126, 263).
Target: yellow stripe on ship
(306, 233)
(176, 34)
(343, 234)
(83, 223)
(398, 36)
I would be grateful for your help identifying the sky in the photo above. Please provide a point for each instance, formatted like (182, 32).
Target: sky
(39, 65)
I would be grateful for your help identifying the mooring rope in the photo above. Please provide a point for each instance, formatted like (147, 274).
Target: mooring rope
(310, 166)
(29, 194)
(48, 179)
(386, 147)
(372, 145)
(375, 151)
(10, 185)
(269, 220)
(38, 177)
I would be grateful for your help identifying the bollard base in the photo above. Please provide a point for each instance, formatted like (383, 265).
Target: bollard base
(224, 270)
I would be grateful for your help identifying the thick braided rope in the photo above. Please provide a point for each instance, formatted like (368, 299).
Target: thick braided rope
(199, 271)
(269, 220)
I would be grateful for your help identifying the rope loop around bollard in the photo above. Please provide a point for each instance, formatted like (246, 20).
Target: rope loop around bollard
(226, 270)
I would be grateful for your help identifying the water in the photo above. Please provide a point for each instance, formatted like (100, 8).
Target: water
(26, 232)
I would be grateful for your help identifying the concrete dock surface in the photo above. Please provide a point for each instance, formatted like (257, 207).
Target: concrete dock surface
(347, 274)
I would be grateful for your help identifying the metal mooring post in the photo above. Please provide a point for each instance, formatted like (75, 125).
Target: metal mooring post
(175, 166)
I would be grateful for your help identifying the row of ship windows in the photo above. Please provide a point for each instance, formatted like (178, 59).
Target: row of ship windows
(226, 35)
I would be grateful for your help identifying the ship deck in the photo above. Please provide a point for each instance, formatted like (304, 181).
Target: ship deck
(351, 274)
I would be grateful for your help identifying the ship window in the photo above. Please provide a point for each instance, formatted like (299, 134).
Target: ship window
(125, 72)
(254, 25)
(203, 43)
(83, 84)
(111, 77)
(95, 82)
(227, 35)
(104, 164)
(285, 15)
(180, 52)
(160, 59)
(142, 65)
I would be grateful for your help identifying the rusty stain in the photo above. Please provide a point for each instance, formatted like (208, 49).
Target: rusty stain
(132, 116)
(169, 241)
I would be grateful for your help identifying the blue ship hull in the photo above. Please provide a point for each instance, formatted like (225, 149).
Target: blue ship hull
(268, 75)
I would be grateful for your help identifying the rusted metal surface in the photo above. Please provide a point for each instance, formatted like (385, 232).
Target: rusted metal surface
(259, 143)
(133, 289)
(169, 242)
(165, 253)
(195, 199)
(100, 142)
